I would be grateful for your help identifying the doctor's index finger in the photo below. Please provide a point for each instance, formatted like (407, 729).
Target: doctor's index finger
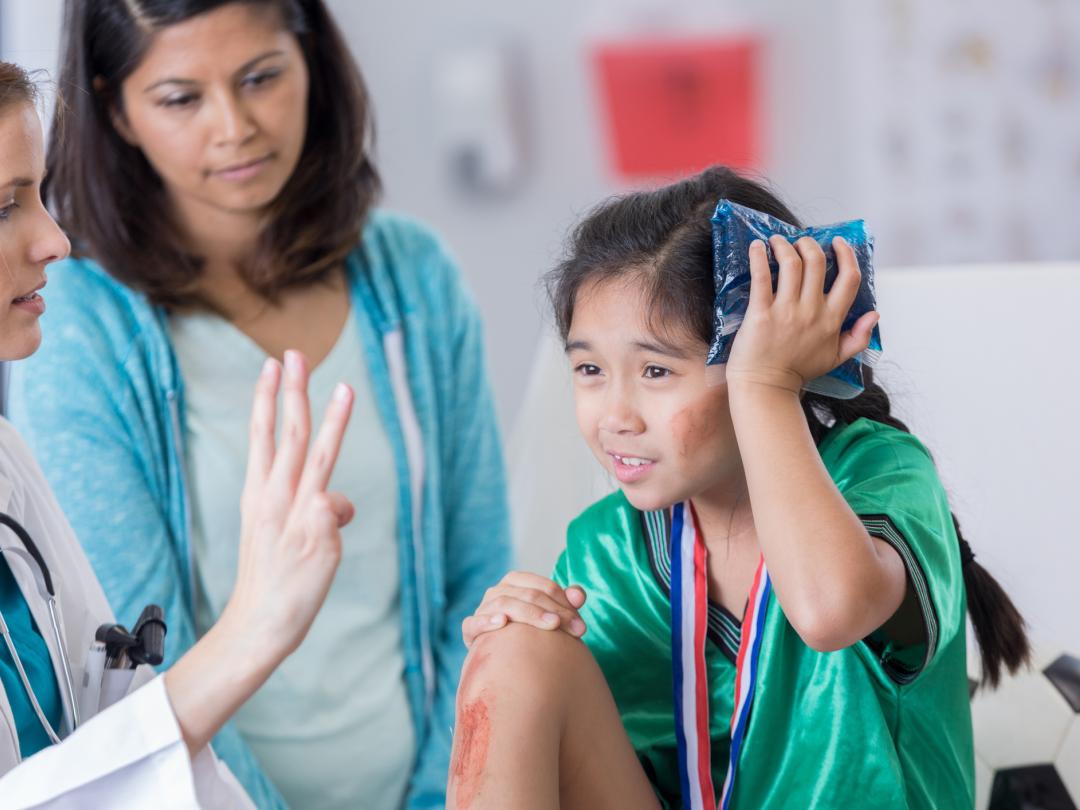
(263, 420)
(324, 452)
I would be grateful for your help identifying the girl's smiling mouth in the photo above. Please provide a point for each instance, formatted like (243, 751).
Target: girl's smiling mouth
(629, 469)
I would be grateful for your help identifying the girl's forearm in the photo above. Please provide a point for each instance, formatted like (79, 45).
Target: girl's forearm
(835, 582)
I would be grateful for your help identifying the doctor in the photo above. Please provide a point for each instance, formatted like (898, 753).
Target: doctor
(150, 747)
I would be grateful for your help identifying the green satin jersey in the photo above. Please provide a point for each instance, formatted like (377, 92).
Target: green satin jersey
(874, 725)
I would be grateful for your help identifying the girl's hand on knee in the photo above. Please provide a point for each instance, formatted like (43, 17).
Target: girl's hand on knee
(794, 335)
(527, 599)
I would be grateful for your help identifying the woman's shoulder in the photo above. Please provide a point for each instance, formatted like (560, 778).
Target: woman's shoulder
(82, 289)
(84, 274)
(396, 237)
(410, 268)
(92, 326)
(405, 254)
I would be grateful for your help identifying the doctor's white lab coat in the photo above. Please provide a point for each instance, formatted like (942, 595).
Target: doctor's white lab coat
(131, 754)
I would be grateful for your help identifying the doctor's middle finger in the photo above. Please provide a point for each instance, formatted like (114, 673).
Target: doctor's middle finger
(261, 428)
(295, 430)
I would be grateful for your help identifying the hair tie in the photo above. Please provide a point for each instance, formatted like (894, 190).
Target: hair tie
(967, 556)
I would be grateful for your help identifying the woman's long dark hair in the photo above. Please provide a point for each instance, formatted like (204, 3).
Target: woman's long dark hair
(112, 203)
(664, 237)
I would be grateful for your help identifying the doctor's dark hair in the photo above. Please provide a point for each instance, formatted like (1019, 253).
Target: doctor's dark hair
(111, 202)
(662, 239)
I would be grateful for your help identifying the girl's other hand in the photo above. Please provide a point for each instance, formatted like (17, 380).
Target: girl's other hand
(527, 599)
(794, 335)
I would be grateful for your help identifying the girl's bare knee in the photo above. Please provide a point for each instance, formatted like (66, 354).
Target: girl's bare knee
(521, 657)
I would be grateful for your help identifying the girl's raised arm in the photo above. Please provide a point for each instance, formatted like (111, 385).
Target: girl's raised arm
(837, 584)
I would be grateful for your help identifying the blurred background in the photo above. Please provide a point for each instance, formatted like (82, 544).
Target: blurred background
(951, 126)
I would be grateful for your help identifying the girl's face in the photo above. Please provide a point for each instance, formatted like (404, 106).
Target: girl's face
(645, 404)
(29, 239)
(218, 106)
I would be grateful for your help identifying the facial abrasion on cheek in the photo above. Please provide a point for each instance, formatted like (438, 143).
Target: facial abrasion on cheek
(734, 228)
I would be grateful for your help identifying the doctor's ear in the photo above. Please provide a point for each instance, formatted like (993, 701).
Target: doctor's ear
(115, 110)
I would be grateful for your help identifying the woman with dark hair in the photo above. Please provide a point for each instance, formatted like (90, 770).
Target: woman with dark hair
(73, 732)
(213, 171)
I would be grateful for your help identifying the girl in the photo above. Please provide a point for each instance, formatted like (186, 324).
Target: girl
(151, 746)
(216, 178)
(841, 680)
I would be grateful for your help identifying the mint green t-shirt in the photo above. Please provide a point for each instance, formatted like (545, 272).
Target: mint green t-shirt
(872, 725)
(332, 725)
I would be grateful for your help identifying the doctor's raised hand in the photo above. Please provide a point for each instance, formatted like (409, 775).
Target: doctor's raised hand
(289, 552)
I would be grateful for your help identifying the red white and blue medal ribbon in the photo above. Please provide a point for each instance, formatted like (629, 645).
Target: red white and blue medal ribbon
(746, 672)
(689, 623)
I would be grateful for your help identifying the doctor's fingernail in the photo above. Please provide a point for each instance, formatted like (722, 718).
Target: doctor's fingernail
(341, 392)
(577, 627)
(550, 618)
(268, 366)
(292, 362)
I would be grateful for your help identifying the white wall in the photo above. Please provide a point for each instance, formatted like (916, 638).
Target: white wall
(979, 362)
(30, 32)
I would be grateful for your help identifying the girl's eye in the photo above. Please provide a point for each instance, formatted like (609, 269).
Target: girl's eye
(263, 77)
(587, 370)
(5, 212)
(656, 372)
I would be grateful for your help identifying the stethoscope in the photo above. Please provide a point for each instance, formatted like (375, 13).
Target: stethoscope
(43, 578)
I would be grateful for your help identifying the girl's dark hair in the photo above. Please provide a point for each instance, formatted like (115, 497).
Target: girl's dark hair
(112, 203)
(663, 238)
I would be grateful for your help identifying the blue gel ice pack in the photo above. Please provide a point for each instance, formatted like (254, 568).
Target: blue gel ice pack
(734, 228)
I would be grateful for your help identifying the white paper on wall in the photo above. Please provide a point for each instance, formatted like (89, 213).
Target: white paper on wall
(965, 127)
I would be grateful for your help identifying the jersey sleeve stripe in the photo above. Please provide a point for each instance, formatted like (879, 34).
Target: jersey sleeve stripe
(882, 527)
